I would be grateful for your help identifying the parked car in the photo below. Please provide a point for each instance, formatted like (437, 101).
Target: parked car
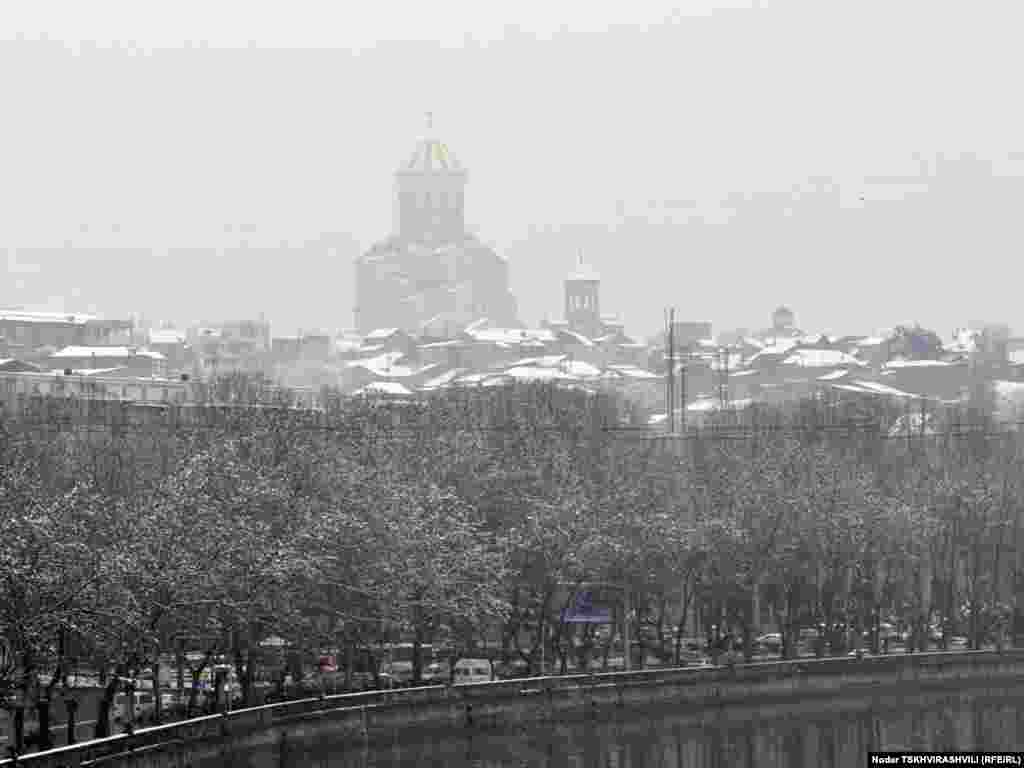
(514, 668)
(437, 673)
(771, 642)
(468, 671)
(144, 706)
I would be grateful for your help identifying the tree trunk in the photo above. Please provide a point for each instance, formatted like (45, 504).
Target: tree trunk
(180, 661)
(45, 737)
(349, 660)
(217, 705)
(158, 704)
(102, 729)
(71, 705)
(19, 730)
(243, 671)
(43, 708)
(417, 656)
(193, 691)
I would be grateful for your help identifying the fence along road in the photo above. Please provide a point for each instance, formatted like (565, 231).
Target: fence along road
(459, 705)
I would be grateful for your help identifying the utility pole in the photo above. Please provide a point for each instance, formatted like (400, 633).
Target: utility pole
(670, 394)
(723, 387)
(685, 353)
(627, 639)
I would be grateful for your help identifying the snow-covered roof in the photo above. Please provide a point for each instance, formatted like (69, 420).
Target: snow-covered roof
(481, 378)
(580, 368)
(875, 388)
(579, 338)
(93, 371)
(444, 379)
(443, 344)
(101, 352)
(833, 375)
(380, 334)
(536, 373)
(545, 361)
(870, 341)
(22, 316)
(632, 372)
(14, 365)
(917, 364)
(821, 358)
(166, 336)
(883, 389)
(511, 335)
(385, 365)
(814, 338)
(704, 405)
(778, 349)
(384, 388)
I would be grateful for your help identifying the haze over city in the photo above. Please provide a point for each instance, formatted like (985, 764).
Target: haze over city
(628, 133)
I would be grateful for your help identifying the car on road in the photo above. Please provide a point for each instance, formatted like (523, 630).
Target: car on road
(770, 642)
(143, 707)
(469, 671)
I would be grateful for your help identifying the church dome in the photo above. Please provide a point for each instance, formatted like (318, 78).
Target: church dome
(432, 156)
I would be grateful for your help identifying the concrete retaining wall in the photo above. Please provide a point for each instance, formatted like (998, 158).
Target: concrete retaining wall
(366, 718)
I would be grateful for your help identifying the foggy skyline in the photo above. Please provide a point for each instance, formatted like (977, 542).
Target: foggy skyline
(573, 137)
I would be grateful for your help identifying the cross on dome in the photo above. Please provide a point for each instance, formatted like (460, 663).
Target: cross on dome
(583, 270)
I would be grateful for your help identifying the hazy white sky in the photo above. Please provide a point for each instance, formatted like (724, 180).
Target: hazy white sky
(581, 124)
(303, 23)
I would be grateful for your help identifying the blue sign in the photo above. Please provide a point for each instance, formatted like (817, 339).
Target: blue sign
(584, 612)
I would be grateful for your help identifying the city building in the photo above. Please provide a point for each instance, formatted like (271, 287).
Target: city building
(582, 307)
(172, 345)
(241, 346)
(431, 273)
(35, 335)
(133, 360)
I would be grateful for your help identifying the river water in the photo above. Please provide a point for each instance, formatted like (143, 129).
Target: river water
(833, 733)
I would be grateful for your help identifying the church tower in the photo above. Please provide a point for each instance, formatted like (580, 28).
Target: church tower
(582, 300)
(430, 194)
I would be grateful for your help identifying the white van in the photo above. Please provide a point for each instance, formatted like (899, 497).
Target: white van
(144, 707)
(473, 671)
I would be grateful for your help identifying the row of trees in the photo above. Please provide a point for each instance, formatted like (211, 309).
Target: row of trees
(472, 516)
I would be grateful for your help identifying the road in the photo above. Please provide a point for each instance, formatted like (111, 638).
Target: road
(83, 731)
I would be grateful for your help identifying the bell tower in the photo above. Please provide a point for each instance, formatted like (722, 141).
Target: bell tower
(582, 299)
(430, 193)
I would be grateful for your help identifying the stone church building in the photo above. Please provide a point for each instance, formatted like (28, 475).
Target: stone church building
(430, 277)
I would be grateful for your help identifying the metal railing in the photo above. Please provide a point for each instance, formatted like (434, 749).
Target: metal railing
(240, 721)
